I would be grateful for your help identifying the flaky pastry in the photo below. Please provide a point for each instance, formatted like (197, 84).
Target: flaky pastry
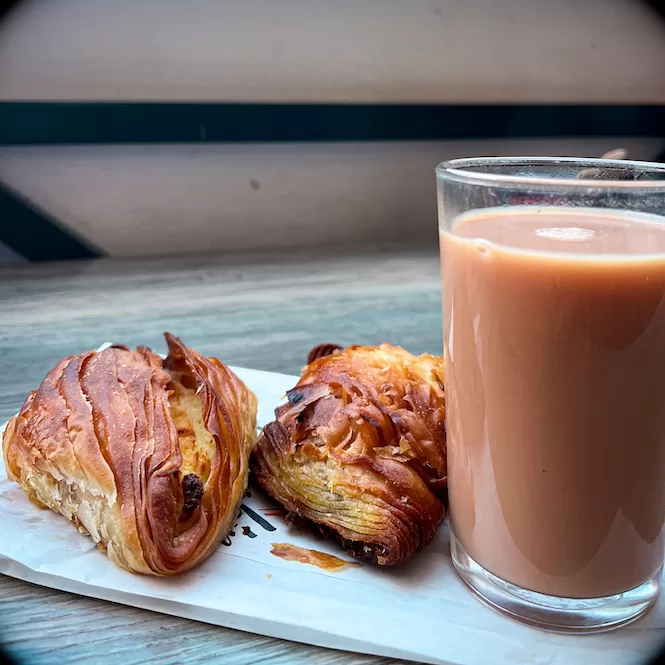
(147, 456)
(359, 450)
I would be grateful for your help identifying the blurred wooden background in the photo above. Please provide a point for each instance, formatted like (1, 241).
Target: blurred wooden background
(188, 191)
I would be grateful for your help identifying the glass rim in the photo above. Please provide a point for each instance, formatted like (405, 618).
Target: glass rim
(461, 171)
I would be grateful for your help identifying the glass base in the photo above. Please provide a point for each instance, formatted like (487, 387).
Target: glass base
(561, 615)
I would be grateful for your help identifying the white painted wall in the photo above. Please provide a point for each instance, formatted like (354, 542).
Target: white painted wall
(166, 199)
(141, 200)
(334, 50)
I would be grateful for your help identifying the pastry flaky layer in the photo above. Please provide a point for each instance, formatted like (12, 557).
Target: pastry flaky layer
(359, 449)
(147, 456)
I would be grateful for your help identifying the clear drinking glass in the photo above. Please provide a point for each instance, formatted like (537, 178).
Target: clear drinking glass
(553, 277)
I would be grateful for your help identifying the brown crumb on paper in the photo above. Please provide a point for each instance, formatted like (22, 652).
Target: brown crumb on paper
(290, 552)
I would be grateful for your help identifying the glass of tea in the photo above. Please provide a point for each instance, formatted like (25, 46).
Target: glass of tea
(554, 342)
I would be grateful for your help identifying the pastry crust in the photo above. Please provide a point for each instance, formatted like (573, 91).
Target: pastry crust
(359, 449)
(147, 456)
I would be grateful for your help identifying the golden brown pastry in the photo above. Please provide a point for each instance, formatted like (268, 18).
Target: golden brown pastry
(359, 449)
(147, 456)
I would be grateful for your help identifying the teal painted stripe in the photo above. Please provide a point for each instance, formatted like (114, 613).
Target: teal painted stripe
(30, 123)
(34, 234)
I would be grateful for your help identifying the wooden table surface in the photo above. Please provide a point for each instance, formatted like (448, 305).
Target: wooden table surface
(259, 311)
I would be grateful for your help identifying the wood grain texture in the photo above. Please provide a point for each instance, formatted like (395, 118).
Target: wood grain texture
(260, 311)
